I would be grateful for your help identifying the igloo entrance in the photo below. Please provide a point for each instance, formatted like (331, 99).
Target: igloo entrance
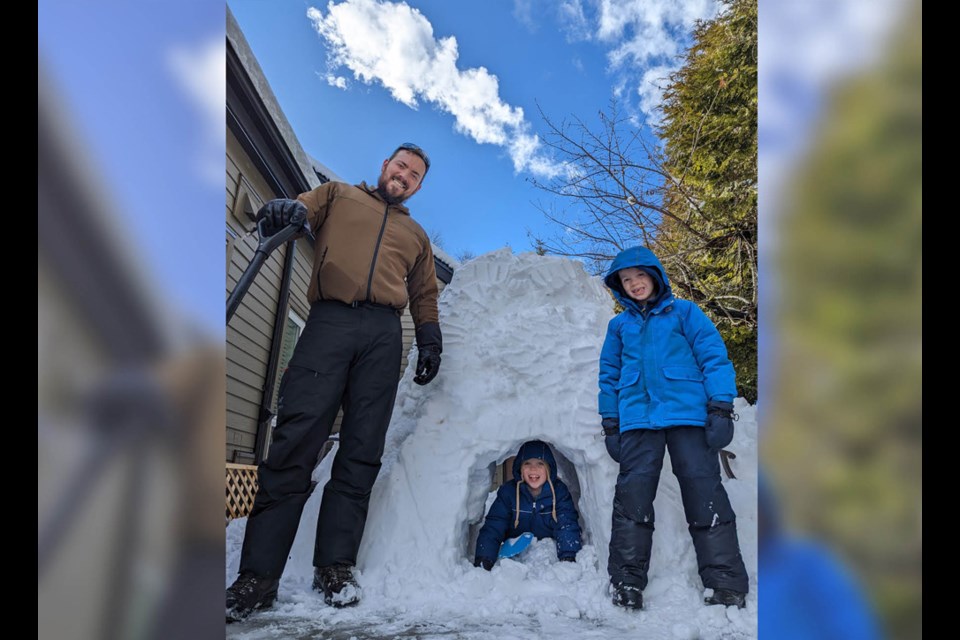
(494, 475)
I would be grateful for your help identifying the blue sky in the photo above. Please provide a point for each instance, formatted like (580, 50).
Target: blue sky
(142, 85)
(463, 80)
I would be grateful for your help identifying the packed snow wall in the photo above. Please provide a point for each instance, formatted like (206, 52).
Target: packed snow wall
(522, 337)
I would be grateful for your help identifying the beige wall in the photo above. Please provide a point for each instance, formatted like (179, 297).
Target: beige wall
(249, 332)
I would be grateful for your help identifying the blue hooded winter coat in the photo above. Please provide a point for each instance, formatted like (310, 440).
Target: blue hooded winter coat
(515, 510)
(662, 360)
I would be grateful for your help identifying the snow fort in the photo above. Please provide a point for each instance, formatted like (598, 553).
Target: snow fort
(522, 337)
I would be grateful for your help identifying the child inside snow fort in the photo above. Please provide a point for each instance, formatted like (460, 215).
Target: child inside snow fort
(535, 501)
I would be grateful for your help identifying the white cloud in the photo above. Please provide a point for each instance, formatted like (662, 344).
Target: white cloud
(524, 11)
(394, 44)
(574, 20)
(200, 72)
(650, 91)
(650, 24)
(336, 81)
(645, 38)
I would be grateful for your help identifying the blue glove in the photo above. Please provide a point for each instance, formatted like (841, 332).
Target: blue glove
(719, 429)
(611, 432)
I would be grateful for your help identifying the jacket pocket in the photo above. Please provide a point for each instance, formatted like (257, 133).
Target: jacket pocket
(683, 394)
(628, 378)
(683, 373)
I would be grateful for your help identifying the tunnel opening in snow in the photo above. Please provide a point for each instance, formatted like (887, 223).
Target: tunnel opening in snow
(499, 471)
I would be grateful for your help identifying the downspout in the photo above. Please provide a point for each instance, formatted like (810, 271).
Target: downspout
(279, 323)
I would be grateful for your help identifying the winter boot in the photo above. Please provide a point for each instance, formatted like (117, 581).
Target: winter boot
(728, 598)
(248, 593)
(340, 588)
(627, 596)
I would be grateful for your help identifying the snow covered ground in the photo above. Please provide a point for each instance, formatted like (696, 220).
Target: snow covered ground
(522, 335)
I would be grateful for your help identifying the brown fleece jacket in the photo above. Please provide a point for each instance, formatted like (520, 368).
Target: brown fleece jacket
(369, 251)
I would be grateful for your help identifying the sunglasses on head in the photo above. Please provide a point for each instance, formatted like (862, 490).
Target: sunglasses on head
(412, 148)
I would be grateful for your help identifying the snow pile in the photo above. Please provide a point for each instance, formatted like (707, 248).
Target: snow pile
(522, 337)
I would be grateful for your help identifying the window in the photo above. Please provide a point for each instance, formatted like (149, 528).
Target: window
(291, 333)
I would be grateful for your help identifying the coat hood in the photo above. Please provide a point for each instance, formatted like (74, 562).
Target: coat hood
(641, 258)
(535, 449)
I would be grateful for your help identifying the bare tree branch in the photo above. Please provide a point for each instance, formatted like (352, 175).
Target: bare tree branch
(617, 190)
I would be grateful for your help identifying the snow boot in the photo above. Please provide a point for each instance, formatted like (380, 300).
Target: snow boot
(339, 587)
(248, 593)
(728, 598)
(627, 596)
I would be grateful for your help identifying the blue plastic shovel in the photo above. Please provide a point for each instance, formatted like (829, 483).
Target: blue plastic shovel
(514, 546)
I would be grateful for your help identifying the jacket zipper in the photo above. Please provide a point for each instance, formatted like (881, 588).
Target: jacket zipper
(376, 250)
(323, 256)
(643, 342)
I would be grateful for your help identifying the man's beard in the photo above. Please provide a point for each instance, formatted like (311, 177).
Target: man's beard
(382, 190)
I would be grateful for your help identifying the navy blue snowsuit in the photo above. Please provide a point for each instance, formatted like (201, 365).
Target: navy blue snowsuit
(661, 362)
(515, 511)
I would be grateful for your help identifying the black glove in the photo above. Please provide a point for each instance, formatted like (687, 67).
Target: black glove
(719, 429)
(568, 559)
(278, 214)
(428, 363)
(429, 345)
(483, 562)
(611, 432)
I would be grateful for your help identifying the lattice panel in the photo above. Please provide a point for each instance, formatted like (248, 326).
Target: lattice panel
(241, 488)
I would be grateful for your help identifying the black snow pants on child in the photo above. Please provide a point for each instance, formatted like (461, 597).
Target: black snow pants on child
(710, 517)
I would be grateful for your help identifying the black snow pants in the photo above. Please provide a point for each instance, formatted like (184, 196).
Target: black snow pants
(345, 355)
(710, 517)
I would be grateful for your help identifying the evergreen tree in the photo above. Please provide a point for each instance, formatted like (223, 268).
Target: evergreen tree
(709, 131)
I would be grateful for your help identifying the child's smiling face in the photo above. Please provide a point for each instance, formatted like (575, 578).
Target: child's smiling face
(636, 283)
(534, 472)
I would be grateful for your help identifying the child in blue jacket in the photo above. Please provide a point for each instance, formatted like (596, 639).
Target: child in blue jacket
(666, 383)
(536, 500)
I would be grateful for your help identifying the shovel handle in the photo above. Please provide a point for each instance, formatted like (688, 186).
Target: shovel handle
(266, 246)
